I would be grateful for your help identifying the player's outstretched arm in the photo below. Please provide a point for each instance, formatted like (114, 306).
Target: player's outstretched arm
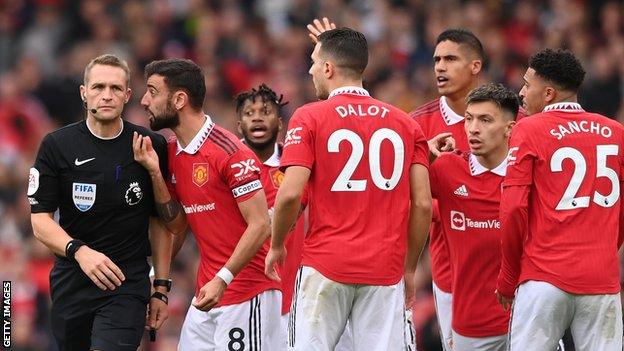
(514, 225)
(168, 208)
(161, 242)
(99, 268)
(316, 28)
(287, 209)
(256, 214)
(418, 230)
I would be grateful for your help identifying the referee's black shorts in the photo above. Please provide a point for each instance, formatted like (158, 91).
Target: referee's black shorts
(87, 318)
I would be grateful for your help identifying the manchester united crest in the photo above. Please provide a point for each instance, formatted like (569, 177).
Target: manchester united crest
(200, 173)
(277, 177)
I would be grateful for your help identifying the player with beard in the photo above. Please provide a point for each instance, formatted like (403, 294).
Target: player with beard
(363, 159)
(216, 179)
(259, 123)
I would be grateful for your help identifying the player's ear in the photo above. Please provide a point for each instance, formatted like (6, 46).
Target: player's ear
(476, 66)
(83, 91)
(550, 94)
(280, 124)
(128, 95)
(238, 126)
(180, 98)
(329, 69)
(508, 128)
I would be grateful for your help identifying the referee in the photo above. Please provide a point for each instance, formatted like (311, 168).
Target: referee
(99, 284)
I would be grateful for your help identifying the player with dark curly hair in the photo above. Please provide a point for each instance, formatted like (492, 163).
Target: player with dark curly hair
(565, 169)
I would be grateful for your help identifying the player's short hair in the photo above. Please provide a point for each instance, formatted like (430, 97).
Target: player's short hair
(347, 47)
(181, 74)
(463, 37)
(560, 67)
(108, 60)
(264, 92)
(503, 97)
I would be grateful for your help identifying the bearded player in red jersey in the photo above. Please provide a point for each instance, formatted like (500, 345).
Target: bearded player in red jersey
(365, 159)
(458, 59)
(561, 215)
(259, 123)
(467, 186)
(216, 178)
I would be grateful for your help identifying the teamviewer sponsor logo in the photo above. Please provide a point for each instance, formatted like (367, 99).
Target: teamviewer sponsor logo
(459, 221)
(246, 188)
(197, 208)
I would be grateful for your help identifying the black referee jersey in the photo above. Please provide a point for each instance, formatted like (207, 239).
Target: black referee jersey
(104, 197)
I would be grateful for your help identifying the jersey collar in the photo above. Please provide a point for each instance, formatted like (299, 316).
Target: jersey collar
(449, 116)
(564, 107)
(353, 90)
(476, 168)
(198, 140)
(274, 160)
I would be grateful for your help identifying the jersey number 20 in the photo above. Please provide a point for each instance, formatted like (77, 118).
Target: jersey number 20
(569, 201)
(344, 182)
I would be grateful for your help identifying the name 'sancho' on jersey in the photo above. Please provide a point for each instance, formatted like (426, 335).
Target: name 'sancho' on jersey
(580, 127)
(459, 221)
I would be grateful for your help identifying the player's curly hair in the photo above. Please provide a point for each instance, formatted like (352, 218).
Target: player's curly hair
(264, 92)
(560, 67)
(499, 94)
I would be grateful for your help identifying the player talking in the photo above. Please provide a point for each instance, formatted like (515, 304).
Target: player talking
(216, 178)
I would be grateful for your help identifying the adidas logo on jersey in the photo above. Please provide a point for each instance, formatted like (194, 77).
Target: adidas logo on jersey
(461, 191)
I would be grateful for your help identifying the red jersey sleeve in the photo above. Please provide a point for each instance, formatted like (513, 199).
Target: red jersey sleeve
(241, 171)
(299, 143)
(421, 148)
(520, 158)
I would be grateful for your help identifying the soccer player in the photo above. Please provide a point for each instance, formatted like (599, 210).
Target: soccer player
(99, 284)
(259, 123)
(458, 59)
(216, 179)
(467, 186)
(561, 215)
(365, 160)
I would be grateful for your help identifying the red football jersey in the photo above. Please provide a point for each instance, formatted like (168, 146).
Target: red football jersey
(437, 117)
(468, 198)
(572, 161)
(359, 151)
(210, 177)
(271, 178)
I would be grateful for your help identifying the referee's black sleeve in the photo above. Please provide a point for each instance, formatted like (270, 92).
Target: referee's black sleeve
(43, 182)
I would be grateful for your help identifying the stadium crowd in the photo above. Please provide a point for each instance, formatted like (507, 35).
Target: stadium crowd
(45, 45)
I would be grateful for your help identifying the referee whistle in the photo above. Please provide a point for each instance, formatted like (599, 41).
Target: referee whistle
(152, 335)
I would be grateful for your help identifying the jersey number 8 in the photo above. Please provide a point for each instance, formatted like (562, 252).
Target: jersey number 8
(344, 182)
(569, 201)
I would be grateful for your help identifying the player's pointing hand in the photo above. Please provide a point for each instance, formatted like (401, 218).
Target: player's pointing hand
(144, 152)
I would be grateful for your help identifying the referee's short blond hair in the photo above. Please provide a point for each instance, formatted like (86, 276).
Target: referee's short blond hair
(108, 60)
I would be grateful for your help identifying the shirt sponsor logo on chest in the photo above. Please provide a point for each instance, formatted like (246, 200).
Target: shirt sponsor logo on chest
(83, 195)
(459, 221)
